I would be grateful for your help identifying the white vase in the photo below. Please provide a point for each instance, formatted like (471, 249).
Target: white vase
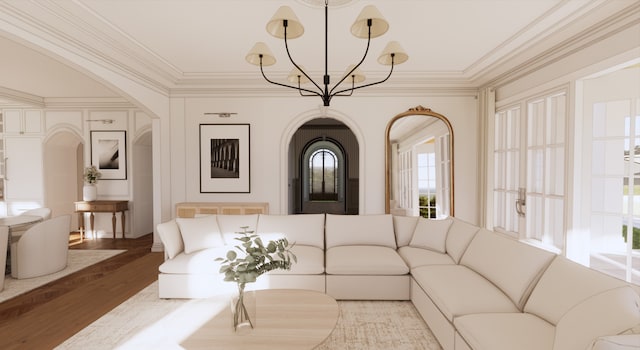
(89, 192)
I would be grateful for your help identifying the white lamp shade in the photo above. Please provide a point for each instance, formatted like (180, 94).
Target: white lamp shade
(293, 76)
(258, 49)
(379, 25)
(393, 47)
(359, 77)
(275, 26)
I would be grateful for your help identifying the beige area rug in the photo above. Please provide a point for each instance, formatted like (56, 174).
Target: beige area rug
(147, 322)
(77, 260)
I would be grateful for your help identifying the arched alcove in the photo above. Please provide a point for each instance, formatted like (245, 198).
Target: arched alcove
(63, 166)
(142, 178)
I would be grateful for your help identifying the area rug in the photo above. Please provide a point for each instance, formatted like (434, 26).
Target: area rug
(77, 260)
(147, 322)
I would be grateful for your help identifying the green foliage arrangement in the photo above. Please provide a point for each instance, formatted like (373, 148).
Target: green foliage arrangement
(91, 174)
(258, 260)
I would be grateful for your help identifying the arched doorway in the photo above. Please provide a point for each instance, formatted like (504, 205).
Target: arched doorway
(323, 168)
(142, 199)
(63, 166)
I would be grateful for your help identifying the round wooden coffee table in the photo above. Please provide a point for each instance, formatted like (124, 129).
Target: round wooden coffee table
(285, 319)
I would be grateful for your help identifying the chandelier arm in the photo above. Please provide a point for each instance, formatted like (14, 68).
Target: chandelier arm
(300, 89)
(353, 84)
(286, 46)
(366, 85)
(366, 51)
(314, 93)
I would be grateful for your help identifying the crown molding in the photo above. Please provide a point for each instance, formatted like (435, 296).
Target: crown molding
(88, 102)
(103, 50)
(620, 21)
(16, 98)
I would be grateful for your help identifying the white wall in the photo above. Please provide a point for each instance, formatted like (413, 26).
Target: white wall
(273, 121)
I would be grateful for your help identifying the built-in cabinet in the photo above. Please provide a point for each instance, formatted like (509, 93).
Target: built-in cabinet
(22, 122)
(22, 161)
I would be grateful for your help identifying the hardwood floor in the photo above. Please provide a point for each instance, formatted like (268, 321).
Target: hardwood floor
(45, 317)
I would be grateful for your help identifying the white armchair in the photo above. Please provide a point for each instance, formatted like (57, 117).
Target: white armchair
(42, 249)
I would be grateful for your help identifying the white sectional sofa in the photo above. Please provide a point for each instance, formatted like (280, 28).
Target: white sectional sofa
(475, 289)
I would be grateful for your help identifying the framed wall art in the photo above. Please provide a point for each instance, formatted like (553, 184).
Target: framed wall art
(109, 154)
(224, 158)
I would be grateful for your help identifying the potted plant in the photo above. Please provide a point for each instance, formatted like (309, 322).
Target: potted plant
(259, 258)
(91, 176)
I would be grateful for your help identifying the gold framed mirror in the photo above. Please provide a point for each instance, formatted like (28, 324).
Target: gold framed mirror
(419, 132)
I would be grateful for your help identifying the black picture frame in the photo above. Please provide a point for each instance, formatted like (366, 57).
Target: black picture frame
(109, 153)
(225, 158)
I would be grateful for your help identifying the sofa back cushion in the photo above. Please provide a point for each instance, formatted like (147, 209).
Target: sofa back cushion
(563, 285)
(460, 235)
(171, 238)
(431, 234)
(301, 229)
(343, 230)
(230, 225)
(609, 312)
(200, 233)
(512, 266)
(403, 226)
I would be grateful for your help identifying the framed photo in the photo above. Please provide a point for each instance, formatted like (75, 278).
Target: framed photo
(224, 158)
(109, 154)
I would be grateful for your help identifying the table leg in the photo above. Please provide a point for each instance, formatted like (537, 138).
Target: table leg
(81, 220)
(113, 224)
(123, 218)
(92, 220)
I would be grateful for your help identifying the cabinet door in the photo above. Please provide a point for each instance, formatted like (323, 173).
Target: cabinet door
(24, 177)
(12, 121)
(32, 122)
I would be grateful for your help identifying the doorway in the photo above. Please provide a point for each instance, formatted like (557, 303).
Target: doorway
(63, 159)
(323, 168)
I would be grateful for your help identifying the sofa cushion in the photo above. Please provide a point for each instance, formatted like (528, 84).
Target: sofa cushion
(431, 234)
(457, 290)
(364, 260)
(404, 226)
(458, 238)
(341, 230)
(610, 312)
(511, 265)
(563, 285)
(415, 257)
(505, 331)
(199, 262)
(310, 261)
(617, 342)
(301, 229)
(200, 233)
(171, 238)
(230, 225)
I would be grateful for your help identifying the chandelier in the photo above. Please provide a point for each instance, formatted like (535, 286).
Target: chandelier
(285, 25)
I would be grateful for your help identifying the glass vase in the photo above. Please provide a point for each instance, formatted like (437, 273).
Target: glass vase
(243, 310)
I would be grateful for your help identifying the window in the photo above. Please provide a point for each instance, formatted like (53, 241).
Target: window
(615, 189)
(323, 169)
(529, 170)
(427, 182)
(507, 169)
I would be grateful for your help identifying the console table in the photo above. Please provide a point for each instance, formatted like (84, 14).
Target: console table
(101, 207)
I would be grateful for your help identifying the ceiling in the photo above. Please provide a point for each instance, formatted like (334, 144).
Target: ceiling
(183, 45)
